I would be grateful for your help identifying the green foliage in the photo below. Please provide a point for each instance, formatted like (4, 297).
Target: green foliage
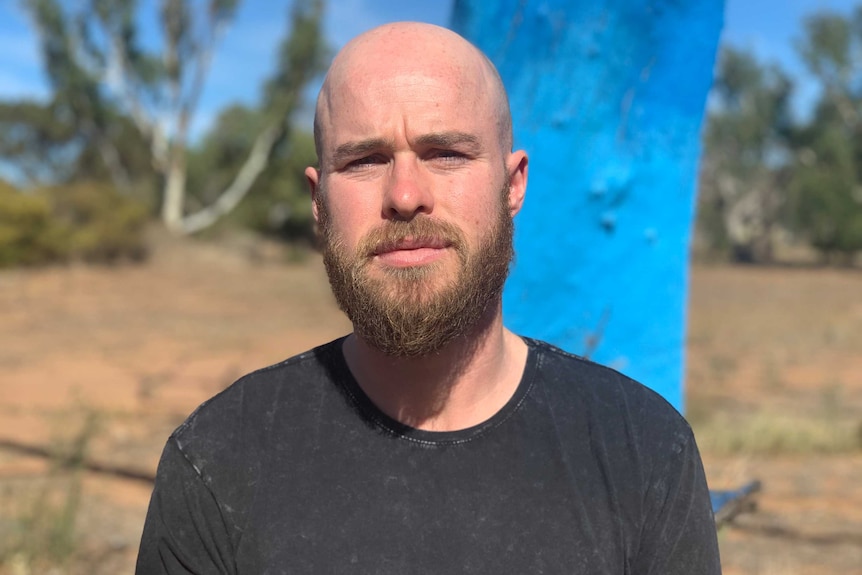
(752, 106)
(44, 145)
(827, 201)
(130, 106)
(745, 151)
(766, 175)
(99, 224)
(826, 185)
(83, 221)
(827, 48)
(34, 137)
(278, 203)
(27, 233)
(128, 149)
(213, 164)
(301, 56)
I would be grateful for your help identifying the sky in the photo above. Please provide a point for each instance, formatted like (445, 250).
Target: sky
(247, 50)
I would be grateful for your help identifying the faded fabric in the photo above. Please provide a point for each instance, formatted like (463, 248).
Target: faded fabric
(293, 470)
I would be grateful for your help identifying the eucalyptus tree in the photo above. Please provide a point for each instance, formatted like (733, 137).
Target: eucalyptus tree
(827, 181)
(746, 156)
(98, 65)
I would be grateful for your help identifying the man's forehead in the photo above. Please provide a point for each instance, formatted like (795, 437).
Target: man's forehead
(404, 52)
(403, 88)
(432, 100)
(362, 75)
(411, 71)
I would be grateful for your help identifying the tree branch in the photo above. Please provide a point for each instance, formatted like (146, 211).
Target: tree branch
(254, 164)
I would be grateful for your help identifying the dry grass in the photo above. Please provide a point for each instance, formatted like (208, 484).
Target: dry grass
(775, 433)
(775, 394)
(41, 513)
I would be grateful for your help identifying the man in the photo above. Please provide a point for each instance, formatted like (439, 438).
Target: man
(432, 439)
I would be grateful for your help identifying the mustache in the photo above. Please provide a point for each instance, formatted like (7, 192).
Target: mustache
(422, 230)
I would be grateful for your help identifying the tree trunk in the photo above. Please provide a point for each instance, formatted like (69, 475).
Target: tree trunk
(256, 162)
(174, 195)
(616, 157)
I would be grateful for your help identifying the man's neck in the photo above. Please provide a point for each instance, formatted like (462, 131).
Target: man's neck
(462, 385)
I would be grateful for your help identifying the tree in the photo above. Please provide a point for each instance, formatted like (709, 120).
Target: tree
(827, 197)
(96, 65)
(746, 156)
(44, 146)
(827, 179)
(277, 204)
(36, 141)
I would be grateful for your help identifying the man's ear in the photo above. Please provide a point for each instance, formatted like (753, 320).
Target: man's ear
(312, 176)
(516, 167)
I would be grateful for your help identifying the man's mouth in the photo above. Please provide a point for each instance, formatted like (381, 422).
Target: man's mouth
(410, 243)
(410, 251)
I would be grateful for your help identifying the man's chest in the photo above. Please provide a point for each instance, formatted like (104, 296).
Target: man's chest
(431, 512)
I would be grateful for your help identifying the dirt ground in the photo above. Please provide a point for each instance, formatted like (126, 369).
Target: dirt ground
(774, 386)
(99, 365)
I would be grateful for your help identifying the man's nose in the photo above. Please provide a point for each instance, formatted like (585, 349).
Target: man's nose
(408, 191)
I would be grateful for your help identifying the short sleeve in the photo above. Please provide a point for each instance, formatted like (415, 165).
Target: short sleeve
(185, 531)
(679, 536)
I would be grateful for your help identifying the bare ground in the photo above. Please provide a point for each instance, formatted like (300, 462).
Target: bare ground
(116, 358)
(774, 388)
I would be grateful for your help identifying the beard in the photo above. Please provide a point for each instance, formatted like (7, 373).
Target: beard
(415, 311)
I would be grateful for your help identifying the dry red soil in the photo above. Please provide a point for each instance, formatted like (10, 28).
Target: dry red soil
(116, 358)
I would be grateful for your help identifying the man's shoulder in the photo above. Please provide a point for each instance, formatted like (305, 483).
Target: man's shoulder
(256, 399)
(579, 371)
(578, 381)
(636, 428)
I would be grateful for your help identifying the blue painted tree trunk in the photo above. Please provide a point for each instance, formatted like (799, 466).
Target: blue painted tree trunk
(608, 98)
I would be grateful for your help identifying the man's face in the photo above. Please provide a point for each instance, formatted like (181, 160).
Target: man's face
(413, 199)
(414, 310)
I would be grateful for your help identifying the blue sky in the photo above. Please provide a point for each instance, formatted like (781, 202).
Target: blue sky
(246, 54)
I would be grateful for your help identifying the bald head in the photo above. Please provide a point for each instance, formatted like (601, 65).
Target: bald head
(407, 52)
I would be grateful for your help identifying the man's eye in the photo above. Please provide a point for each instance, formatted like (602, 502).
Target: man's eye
(449, 156)
(365, 161)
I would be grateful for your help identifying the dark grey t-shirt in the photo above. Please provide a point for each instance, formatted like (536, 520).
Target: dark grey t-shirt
(293, 470)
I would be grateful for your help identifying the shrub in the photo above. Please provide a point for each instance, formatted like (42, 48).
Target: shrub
(28, 234)
(83, 221)
(99, 224)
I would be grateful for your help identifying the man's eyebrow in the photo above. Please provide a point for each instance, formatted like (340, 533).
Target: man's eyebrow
(358, 149)
(448, 140)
